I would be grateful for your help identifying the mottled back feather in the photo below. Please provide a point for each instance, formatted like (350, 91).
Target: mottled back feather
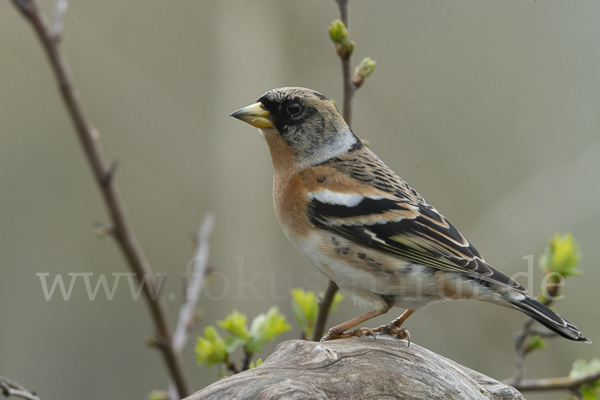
(419, 234)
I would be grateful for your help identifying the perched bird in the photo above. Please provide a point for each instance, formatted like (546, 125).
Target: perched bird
(364, 227)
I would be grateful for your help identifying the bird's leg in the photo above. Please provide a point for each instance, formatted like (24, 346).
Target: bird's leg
(341, 331)
(395, 327)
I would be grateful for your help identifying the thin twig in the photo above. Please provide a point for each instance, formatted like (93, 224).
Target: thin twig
(521, 339)
(122, 233)
(324, 308)
(192, 292)
(545, 333)
(186, 312)
(349, 91)
(349, 88)
(566, 382)
(12, 388)
(60, 10)
(231, 366)
(521, 350)
(247, 360)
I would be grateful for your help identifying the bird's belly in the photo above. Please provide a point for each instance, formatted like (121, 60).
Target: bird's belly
(371, 275)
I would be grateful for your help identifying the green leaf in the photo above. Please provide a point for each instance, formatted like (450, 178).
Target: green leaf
(258, 362)
(339, 35)
(232, 343)
(235, 323)
(535, 342)
(561, 255)
(305, 307)
(211, 348)
(338, 32)
(302, 321)
(581, 368)
(307, 303)
(264, 328)
(364, 69)
(588, 393)
(158, 395)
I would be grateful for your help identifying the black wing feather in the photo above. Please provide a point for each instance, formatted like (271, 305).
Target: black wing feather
(427, 238)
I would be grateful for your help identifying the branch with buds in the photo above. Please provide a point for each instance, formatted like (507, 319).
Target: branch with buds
(558, 262)
(344, 47)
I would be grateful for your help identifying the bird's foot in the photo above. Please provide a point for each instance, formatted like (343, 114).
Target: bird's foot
(391, 329)
(335, 334)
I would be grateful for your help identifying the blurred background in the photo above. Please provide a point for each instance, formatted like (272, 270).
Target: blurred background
(489, 109)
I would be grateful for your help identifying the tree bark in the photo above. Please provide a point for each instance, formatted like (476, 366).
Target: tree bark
(353, 369)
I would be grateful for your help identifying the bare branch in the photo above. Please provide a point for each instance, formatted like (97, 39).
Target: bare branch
(247, 359)
(349, 88)
(521, 340)
(122, 233)
(566, 382)
(520, 349)
(23, 5)
(349, 91)
(60, 10)
(12, 388)
(324, 308)
(192, 294)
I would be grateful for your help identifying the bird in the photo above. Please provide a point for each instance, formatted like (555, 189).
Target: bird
(365, 228)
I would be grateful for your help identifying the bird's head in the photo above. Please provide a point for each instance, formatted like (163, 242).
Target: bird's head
(301, 122)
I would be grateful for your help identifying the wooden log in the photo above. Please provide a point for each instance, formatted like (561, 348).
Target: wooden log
(353, 369)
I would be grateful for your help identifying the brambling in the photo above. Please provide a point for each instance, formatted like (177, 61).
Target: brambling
(364, 227)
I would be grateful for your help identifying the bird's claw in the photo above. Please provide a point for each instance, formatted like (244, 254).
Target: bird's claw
(393, 330)
(360, 332)
(334, 334)
(404, 334)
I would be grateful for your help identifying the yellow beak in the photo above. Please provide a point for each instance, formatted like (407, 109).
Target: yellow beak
(255, 115)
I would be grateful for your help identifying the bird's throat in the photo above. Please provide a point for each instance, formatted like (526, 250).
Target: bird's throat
(284, 160)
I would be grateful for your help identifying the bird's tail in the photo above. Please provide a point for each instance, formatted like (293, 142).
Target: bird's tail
(548, 318)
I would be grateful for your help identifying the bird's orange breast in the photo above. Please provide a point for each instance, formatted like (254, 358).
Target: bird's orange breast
(290, 200)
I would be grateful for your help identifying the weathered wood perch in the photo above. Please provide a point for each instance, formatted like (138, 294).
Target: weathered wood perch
(353, 369)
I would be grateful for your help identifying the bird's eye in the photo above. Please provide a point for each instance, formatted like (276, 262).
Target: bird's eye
(293, 109)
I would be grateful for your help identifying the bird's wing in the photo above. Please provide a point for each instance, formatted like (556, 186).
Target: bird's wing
(403, 224)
